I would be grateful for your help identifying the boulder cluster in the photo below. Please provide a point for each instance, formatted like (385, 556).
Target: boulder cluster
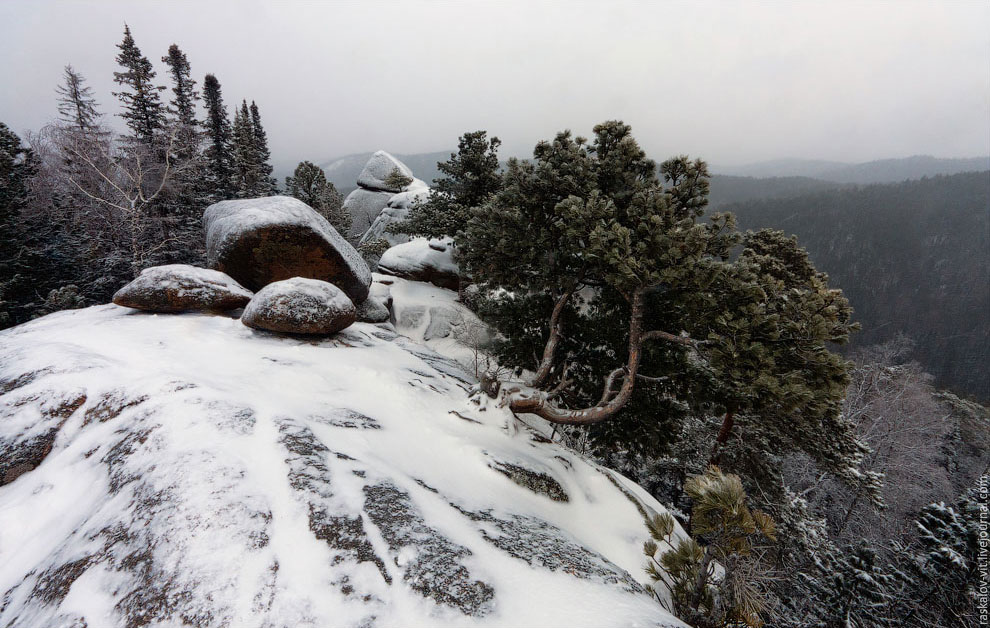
(379, 202)
(308, 279)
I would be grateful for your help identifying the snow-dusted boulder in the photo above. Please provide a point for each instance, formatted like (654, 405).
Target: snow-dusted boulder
(423, 260)
(182, 470)
(373, 311)
(300, 306)
(260, 240)
(180, 287)
(364, 207)
(378, 168)
(395, 212)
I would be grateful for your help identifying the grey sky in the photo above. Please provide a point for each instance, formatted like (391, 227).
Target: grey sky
(731, 82)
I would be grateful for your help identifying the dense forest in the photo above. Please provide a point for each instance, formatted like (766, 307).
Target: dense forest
(913, 259)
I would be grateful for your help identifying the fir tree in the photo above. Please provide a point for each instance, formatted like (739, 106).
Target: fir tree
(143, 109)
(76, 105)
(267, 185)
(219, 157)
(309, 184)
(470, 177)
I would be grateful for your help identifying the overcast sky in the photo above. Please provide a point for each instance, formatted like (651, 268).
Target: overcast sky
(731, 82)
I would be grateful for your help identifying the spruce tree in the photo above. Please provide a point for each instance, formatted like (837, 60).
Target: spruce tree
(76, 105)
(309, 184)
(247, 175)
(219, 151)
(267, 185)
(470, 177)
(143, 109)
(183, 105)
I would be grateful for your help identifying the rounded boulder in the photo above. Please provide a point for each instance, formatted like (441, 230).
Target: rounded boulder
(180, 288)
(300, 306)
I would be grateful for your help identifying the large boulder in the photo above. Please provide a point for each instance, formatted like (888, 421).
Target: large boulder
(300, 306)
(260, 240)
(395, 212)
(422, 260)
(180, 287)
(377, 170)
(364, 207)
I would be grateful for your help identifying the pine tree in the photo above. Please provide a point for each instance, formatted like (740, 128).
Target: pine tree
(219, 152)
(470, 177)
(143, 109)
(309, 184)
(267, 185)
(76, 105)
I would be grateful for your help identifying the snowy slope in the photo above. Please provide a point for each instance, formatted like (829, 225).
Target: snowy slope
(171, 469)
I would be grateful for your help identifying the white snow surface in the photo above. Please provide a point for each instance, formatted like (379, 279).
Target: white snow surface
(203, 473)
(228, 220)
(378, 168)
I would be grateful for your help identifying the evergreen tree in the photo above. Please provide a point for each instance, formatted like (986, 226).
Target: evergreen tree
(143, 109)
(615, 283)
(470, 177)
(76, 105)
(219, 157)
(247, 175)
(17, 165)
(183, 105)
(267, 185)
(309, 184)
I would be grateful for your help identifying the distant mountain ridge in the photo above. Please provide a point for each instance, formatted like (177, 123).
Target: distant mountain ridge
(879, 171)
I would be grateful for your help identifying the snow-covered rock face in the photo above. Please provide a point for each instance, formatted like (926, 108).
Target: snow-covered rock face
(260, 240)
(364, 207)
(422, 260)
(378, 168)
(395, 212)
(182, 469)
(300, 306)
(180, 287)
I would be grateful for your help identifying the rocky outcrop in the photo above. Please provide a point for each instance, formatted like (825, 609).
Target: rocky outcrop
(377, 171)
(179, 288)
(395, 212)
(261, 240)
(423, 260)
(364, 207)
(300, 306)
(181, 470)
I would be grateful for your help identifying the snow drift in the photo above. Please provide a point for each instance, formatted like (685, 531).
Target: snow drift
(174, 469)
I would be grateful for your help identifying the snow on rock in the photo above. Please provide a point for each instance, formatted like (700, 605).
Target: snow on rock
(394, 213)
(378, 168)
(172, 470)
(423, 260)
(260, 240)
(300, 306)
(364, 207)
(180, 287)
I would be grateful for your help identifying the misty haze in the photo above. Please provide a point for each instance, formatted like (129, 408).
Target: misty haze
(495, 313)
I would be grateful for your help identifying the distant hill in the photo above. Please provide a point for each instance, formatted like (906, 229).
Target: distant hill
(913, 257)
(727, 189)
(343, 171)
(881, 171)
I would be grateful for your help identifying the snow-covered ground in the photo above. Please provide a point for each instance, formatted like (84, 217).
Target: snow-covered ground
(193, 470)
